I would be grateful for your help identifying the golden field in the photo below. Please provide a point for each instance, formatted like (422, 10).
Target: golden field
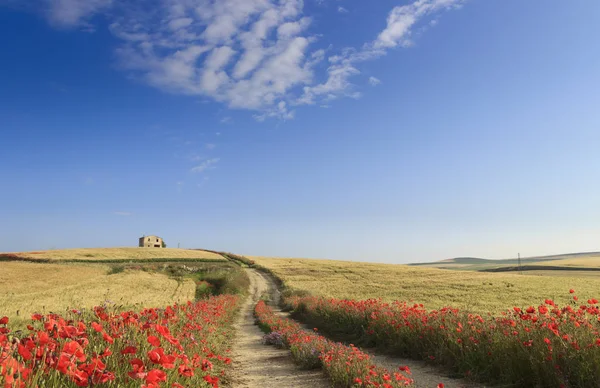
(103, 254)
(588, 261)
(435, 288)
(26, 288)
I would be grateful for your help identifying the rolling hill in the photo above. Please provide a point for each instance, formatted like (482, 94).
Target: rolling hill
(567, 260)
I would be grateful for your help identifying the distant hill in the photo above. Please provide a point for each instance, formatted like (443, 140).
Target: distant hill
(582, 259)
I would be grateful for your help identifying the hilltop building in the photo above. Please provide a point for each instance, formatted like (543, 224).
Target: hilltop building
(151, 242)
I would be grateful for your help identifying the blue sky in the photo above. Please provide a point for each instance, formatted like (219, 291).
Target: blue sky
(389, 131)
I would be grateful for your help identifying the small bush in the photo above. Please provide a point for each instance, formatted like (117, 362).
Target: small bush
(274, 338)
(232, 280)
(115, 269)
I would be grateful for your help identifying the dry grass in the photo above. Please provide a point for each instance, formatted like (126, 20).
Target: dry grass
(475, 291)
(96, 254)
(26, 288)
(588, 261)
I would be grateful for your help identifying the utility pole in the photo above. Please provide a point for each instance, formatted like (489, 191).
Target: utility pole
(178, 245)
(521, 272)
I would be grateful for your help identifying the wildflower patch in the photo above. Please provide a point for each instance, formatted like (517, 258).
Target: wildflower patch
(346, 366)
(178, 346)
(544, 345)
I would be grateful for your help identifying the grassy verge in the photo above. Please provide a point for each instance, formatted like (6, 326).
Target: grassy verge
(232, 280)
(239, 259)
(346, 366)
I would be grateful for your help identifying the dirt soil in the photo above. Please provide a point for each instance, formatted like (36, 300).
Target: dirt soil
(257, 365)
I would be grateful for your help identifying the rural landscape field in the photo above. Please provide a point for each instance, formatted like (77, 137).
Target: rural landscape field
(299, 194)
(159, 317)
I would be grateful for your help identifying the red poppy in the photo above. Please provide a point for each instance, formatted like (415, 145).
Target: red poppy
(154, 341)
(129, 350)
(156, 376)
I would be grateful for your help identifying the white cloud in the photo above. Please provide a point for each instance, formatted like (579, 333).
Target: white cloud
(178, 23)
(73, 13)
(400, 23)
(374, 81)
(226, 120)
(247, 54)
(206, 165)
(402, 18)
(210, 146)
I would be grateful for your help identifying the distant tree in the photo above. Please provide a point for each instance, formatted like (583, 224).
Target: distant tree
(164, 244)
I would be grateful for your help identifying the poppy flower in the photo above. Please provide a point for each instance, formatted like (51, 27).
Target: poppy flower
(156, 376)
(154, 341)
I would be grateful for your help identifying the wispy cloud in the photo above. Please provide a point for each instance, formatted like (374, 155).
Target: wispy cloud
(374, 81)
(400, 23)
(210, 146)
(123, 214)
(247, 54)
(403, 18)
(206, 165)
(226, 120)
(74, 13)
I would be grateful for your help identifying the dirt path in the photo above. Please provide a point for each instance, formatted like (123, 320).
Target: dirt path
(257, 365)
(425, 376)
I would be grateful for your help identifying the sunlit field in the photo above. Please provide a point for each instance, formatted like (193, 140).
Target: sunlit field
(436, 288)
(589, 261)
(27, 288)
(116, 254)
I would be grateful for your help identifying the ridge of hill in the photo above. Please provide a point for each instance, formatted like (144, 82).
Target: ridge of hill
(580, 259)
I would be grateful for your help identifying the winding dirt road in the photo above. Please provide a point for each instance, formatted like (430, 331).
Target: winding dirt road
(257, 365)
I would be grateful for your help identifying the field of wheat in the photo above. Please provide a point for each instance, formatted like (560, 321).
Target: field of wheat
(592, 261)
(116, 254)
(436, 288)
(27, 288)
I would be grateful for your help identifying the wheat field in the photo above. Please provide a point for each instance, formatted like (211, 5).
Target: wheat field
(118, 254)
(588, 261)
(27, 288)
(435, 288)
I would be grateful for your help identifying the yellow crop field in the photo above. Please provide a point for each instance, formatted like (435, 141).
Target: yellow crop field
(588, 261)
(435, 288)
(103, 254)
(27, 288)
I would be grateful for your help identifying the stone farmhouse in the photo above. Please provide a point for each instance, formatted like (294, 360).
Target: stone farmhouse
(150, 242)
